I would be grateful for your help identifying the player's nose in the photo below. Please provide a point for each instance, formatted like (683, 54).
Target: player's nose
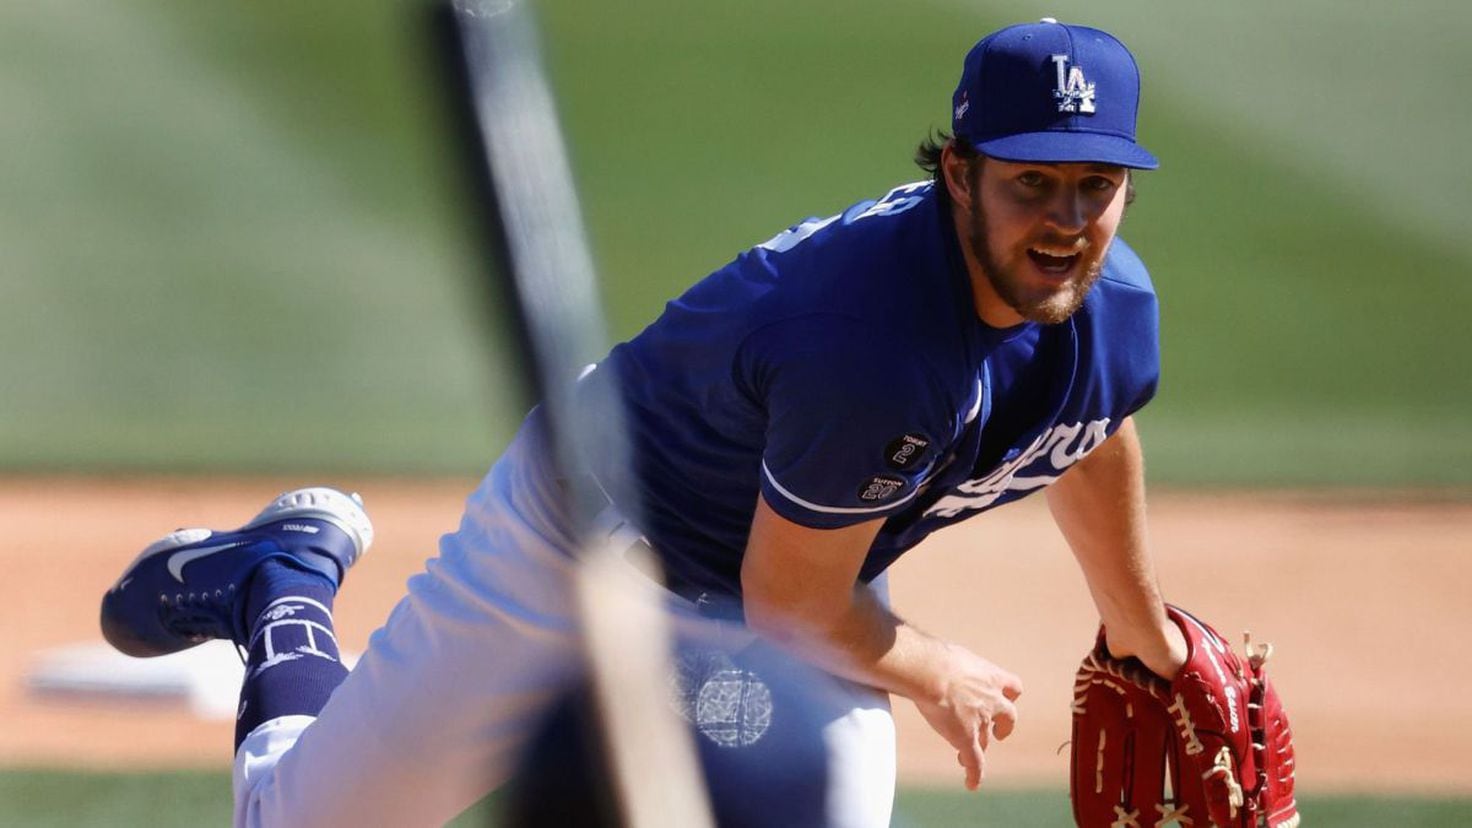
(1067, 212)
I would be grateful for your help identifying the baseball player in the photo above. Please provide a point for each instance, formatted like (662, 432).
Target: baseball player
(801, 418)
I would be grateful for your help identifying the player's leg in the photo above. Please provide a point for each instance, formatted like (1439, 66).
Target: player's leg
(782, 742)
(861, 756)
(786, 744)
(435, 712)
(431, 716)
(861, 747)
(778, 745)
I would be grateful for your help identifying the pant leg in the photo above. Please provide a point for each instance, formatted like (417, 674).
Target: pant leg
(782, 743)
(861, 749)
(440, 705)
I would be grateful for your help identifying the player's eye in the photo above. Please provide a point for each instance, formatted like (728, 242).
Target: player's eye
(1032, 179)
(1098, 184)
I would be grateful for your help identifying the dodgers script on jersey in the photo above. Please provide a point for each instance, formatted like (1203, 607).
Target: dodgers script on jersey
(840, 371)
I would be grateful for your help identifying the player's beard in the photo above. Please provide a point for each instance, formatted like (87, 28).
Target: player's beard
(1049, 303)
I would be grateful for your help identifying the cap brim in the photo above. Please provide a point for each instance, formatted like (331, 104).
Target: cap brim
(1069, 148)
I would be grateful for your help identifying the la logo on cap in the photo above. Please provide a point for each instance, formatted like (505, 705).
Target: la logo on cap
(1074, 92)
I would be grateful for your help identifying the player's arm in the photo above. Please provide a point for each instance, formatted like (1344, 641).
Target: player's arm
(800, 589)
(1099, 505)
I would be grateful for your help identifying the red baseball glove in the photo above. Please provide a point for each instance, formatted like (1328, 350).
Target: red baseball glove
(1216, 734)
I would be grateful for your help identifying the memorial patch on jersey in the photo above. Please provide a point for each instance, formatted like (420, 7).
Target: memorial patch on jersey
(903, 451)
(880, 487)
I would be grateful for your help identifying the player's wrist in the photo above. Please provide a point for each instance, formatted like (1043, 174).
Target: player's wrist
(1162, 648)
(937, 680)
(1169, 654)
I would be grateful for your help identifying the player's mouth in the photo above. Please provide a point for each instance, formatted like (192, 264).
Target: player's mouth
(1054, 260)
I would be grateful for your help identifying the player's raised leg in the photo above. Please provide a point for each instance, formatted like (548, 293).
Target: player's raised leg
(435, 712)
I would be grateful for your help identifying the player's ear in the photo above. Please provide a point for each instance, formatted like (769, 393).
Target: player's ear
(956, 171)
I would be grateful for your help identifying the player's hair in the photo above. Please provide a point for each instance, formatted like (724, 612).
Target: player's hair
(928, 154)
(928, 157)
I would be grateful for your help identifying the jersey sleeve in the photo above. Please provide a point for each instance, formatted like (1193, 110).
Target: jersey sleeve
(854, 425)
(1133, 332)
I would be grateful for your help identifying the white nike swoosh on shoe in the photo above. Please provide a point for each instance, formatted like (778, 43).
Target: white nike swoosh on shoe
(179, 559)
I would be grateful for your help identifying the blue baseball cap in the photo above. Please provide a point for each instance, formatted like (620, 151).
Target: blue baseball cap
(1051, 93)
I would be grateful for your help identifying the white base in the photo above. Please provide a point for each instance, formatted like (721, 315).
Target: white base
(206, 678)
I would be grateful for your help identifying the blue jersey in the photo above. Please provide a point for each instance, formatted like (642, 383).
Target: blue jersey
(840, 372)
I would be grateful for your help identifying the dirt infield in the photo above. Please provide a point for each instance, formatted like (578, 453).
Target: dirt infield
(1366, 601)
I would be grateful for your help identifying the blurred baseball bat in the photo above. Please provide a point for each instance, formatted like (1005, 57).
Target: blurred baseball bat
(531, 228)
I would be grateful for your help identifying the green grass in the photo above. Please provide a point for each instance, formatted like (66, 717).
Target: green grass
(190, 799)
(216, 254)
(934, 809)
(230, 237)
(41, 799)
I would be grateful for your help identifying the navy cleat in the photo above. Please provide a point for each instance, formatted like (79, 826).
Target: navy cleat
(190, 587)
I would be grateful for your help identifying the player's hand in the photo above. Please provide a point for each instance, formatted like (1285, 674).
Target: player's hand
(974, 703)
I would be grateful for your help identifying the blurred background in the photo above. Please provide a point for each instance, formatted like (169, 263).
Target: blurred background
(233, 247)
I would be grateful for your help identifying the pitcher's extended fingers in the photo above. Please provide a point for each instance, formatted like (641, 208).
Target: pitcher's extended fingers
(974, 760)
